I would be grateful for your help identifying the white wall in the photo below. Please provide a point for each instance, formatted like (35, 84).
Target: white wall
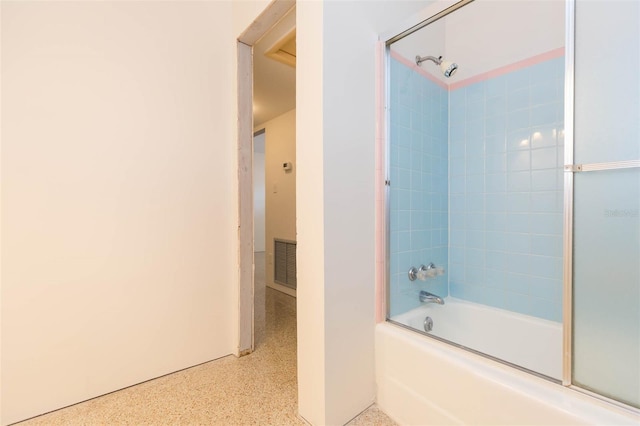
(258, 193)
(475, 30)
(335, 198)
(244, 13)
(280, 197)
(428, 41)
(310, 251)
(118, 196)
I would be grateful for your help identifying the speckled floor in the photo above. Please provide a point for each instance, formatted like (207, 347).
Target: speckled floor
(258, 389)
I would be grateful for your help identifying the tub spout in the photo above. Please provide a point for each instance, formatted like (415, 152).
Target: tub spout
(426, 297)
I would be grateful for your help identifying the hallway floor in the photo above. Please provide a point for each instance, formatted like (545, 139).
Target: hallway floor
(257, 389)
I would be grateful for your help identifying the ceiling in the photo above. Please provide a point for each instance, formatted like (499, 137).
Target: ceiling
(274, 82)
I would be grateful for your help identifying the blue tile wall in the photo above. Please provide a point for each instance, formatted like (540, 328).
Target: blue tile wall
(496, 223)
(506, 157)
(418, 194)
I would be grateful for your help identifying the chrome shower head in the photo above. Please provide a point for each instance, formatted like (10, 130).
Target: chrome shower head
(448, 68)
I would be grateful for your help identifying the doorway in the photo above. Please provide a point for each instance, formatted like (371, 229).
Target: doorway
(266, 111)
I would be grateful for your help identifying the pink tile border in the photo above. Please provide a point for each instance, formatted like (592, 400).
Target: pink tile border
(552, 54)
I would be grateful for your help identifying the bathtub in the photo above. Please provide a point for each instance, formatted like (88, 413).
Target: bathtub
(424, 381)
(528, 342)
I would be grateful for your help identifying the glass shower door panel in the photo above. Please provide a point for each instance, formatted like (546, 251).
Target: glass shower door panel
(607, 88)
(606, 219)
(606, 336)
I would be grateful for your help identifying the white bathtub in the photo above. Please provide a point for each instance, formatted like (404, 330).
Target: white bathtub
(423, 381)
(532, 343)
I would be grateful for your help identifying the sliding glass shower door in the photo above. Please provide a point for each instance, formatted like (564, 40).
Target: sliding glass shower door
(606, 200)
(536, 120)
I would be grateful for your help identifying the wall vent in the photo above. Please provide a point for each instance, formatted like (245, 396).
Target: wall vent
(285, 263)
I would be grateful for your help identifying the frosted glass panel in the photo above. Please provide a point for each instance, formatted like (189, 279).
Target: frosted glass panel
(607, 81)
(607, 283)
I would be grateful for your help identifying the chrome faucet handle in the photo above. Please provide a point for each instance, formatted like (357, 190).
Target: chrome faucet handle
(424, 272)
(417, 273)
(435, 269)
(413, 273)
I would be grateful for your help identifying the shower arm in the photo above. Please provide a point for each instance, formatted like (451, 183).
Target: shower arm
(421, 59)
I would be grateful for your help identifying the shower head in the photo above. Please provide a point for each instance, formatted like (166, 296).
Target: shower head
(448, 68)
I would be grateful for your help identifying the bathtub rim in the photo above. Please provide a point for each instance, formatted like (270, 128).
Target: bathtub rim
(474, 351)
(482, 306)
(492, 366)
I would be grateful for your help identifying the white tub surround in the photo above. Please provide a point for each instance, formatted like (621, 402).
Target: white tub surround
(427, 382)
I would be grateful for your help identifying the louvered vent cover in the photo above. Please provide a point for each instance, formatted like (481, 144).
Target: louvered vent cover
(285, 263)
